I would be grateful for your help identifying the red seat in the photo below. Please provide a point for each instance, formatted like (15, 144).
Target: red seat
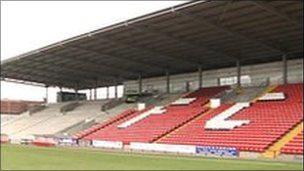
(269, 122)
(295, 146)
(155, 126)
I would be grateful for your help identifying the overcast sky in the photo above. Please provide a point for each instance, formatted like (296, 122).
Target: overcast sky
(30, 25)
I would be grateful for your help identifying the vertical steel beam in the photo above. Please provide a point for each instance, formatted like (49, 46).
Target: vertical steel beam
(77, 97)
(140, 83)
(284, 69)
(108, 92)
(60, 90)
(90, 94)
(238, 70)
(46, 94)
(187, 86)
(168, 81)
(123, 90)
(200, 75)
(116, 91)
(218, 82)
(95, 89)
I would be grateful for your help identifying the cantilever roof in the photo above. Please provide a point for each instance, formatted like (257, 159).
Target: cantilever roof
(210, 34)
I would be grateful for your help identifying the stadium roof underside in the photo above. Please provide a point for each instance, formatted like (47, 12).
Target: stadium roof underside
(210, 35)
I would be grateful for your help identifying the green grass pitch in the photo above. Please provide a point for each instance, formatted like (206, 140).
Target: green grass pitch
(28, 157)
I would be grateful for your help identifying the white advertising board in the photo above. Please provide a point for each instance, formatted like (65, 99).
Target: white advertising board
(107, 144)
(163, 147)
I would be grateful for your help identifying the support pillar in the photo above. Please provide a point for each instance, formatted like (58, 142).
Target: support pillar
(95, 93)
(187, 86)
(77, 97)
(108, 93)
(123, 90)
(140, 84)
(95, 89)
(90, 94)
(238, 70)
(46, 94)
(59, 99)
(116, 91)
(200, 79)
(284, 69)
(168, 81)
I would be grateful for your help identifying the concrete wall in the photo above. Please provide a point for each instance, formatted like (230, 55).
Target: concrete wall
(17, 106)
(250, 155)
(258, 73)
(290, 157)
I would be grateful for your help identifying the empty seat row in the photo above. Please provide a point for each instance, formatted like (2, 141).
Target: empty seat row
(269, 121)
(153, 127)
(295, 146)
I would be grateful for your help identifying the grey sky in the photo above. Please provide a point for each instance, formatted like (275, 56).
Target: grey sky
(30, 25)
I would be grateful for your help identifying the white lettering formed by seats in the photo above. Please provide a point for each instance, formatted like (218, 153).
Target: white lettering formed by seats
(155, 110)
(273, 96)
(221, 122)
(183, 101)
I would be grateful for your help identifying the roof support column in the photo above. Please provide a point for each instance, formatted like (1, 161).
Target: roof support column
(95, 90)
(77, 97)
(59, 98)
(116, 94)
(116, 91)
(187, 86)
(200, 75)
(123, 90)
(284, 69)
(46, 94)
(90, 94)
(108, 92)
(168, 81)
(95, 93)
(140, 83)
(238, 70)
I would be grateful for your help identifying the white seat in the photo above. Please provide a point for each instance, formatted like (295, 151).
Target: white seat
(183, 101)
(155, 110)
(273, 96)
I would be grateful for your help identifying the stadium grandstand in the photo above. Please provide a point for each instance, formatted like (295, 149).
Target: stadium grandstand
(203, 78)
